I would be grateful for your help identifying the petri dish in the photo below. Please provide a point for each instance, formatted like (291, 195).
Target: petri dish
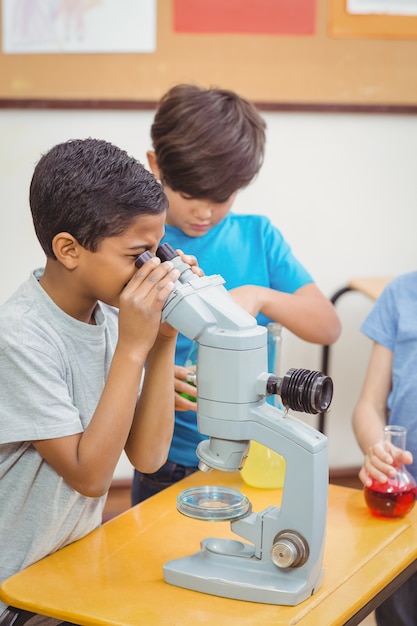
(212, 503)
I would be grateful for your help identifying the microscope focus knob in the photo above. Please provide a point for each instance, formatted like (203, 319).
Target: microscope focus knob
(289, 549)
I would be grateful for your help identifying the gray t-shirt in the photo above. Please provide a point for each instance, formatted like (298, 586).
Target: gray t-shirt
(52, 373)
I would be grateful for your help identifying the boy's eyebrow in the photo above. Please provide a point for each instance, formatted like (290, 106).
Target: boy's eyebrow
(141, 247)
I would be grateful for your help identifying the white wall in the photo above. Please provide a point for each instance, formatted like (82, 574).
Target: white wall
(341, 187)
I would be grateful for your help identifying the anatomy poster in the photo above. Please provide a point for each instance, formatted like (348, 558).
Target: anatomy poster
(54, 26)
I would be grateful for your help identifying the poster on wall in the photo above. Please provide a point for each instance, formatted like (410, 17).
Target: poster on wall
(256, 17)
(382, 7)
(65, 26)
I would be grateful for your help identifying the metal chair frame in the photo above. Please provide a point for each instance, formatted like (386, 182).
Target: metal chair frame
(15, 617)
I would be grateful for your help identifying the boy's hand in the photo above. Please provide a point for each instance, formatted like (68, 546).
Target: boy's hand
(248, 297)
(166, 331)
(142, 301)
(181, 386)
(381, 461)
(192, 262)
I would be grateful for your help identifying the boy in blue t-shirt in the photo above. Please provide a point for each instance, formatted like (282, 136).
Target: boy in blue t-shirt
(389, 396)
(207, 145)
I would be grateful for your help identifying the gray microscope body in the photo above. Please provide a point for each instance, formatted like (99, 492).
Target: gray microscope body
(282, 563)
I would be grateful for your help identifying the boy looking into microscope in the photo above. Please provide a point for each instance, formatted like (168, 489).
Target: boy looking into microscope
(74, 340)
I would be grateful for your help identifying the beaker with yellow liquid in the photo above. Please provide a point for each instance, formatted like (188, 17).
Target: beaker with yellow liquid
(265, 468)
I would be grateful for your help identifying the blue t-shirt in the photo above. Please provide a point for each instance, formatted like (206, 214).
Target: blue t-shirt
(393, 324)
(244, 250)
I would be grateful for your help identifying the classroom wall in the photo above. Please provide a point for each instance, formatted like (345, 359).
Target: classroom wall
(342, 188)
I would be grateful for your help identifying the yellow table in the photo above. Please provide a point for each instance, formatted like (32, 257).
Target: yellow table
(114, 575)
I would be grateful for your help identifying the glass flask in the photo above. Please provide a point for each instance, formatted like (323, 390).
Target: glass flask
(265, 468)
(395, 497)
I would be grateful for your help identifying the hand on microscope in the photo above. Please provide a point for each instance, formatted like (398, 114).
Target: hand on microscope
(249, 298)
(191, 261)
(321, 325)
(165, 330)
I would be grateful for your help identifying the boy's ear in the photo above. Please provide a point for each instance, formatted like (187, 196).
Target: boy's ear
(153, 165)
(66, 249)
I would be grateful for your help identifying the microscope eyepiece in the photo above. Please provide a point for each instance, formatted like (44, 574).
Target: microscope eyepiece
(303, 390)
(166, 252)
(142, 258)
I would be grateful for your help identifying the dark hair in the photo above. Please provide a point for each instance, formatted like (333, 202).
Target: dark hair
(208, 143)
(91, 189)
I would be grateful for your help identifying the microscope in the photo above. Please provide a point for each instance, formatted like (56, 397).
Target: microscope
(281, 560)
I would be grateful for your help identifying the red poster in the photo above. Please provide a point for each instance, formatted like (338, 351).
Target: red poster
(269, 17)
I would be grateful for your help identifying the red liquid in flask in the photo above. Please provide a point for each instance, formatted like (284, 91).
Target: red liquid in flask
(392, 499)
(396, 497)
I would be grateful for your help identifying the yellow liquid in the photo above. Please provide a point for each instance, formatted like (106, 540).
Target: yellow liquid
(264, 468)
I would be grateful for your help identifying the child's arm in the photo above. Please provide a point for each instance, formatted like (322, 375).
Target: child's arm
(306, 312)
(370, 417)
(87, 460)
(152, 428)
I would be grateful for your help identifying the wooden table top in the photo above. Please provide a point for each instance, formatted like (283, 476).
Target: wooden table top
(114, 576)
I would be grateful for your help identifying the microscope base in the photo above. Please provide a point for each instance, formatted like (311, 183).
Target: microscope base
(239, 575)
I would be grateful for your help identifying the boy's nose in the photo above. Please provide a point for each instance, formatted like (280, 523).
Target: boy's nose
(203, 210)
